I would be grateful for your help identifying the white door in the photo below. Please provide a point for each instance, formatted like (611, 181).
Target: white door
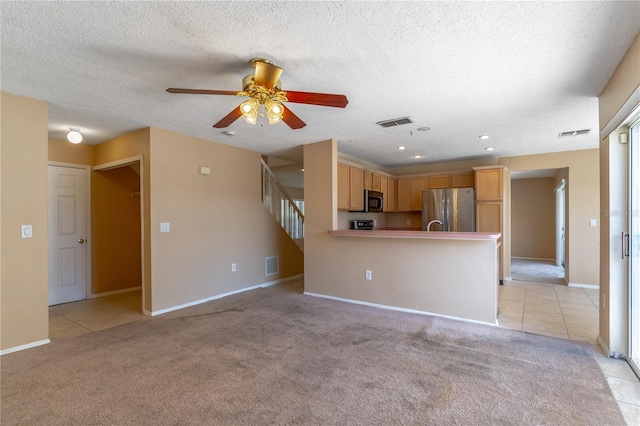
(67, 235)
(634, 249)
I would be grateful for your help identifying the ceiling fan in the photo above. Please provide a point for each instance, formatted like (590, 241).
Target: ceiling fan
(263, 89)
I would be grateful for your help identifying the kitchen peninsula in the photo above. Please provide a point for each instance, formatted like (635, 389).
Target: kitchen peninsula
(454, 274)
(443, 273)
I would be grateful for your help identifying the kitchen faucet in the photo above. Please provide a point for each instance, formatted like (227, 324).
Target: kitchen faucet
(431, 223)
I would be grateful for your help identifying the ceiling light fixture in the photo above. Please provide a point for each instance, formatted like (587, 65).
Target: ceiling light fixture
(417, 156)
(74, 136)
(483, 137)
(402, 148)
(423, 129)
(489, 149)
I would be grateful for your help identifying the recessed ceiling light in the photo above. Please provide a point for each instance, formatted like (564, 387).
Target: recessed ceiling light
(402, 148)
(229, 133)
(423, 129)
(489, 149)
(74, 136)
(483, 137)
(417, 156)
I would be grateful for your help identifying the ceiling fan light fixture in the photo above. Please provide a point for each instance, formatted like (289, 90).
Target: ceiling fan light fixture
(74, 136)
(274, 111)
(249, 111)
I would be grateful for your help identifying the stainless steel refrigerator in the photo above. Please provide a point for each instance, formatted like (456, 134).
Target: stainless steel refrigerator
(454, 207)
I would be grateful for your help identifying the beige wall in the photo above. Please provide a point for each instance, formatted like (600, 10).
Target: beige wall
(614, 286)
(533, 218)
(582, 189)
(123, 147)
(65, 152)
(116, 232)
(24, 316)
(414, 274)
(215, 220)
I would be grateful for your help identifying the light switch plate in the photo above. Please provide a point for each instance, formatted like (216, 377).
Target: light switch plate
(164, 227)
(593, 223)
(367, 275)
(233, 267)
(204, 170)
(26, 231)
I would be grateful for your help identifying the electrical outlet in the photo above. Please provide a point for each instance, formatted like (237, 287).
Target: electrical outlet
(593, 223)
(233, 267)
(374, 223)
(367, 275)
(164, 227)
(26, 231)
(408, 222)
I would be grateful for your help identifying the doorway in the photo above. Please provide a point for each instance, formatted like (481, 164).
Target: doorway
(537, 248)
(634, 246)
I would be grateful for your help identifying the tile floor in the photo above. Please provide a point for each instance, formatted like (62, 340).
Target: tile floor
(568, 313)
(87, 316)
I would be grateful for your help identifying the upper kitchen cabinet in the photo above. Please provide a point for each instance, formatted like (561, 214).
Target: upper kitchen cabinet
(410, 193)
(439, 181)
(390, 195)
(462, 180)
(418, 185)
(368, 180)
(343, 187)
(404, 195)
(356, 188)
(488, 183)
(376, 183)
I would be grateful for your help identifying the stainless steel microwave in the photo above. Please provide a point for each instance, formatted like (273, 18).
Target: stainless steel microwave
(372, 202)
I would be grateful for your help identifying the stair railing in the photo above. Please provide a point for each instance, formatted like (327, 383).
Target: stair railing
(281, 206)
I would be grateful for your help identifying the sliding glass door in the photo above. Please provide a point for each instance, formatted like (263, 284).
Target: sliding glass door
(634, 247)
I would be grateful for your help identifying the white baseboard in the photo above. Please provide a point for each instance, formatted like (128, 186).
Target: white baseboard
(111, 293)
(591, 286)
(395, 308)
(27, 346)
(535, 258)
(220, 296)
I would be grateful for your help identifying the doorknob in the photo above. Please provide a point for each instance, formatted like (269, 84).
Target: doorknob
(81, 241)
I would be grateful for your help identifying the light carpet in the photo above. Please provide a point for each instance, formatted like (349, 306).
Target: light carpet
(537, 271)
(274, 356)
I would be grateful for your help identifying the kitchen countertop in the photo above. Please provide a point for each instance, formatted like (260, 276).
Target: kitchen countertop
(433, 235)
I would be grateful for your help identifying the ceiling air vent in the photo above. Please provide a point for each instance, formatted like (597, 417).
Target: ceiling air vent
(574, 133)
(395, 122)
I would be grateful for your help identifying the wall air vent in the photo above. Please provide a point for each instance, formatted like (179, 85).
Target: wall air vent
(271, 265)
(574, 133)
(394, 122)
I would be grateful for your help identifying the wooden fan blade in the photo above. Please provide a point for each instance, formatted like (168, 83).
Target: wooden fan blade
(292, 120)
(266, 75)
(201, 92)
(229, 118)
(323, 99)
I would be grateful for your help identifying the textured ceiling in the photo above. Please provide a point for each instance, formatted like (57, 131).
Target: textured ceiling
(521, 72)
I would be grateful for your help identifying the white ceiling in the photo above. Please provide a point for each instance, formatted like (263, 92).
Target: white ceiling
(519, 71)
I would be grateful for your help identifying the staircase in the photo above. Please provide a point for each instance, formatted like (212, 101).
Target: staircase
(282, 207)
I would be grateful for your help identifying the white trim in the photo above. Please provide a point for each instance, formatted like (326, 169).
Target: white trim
(623, 113)
(395, 308)
(27, 346)
(220, 296)
(118, 163)
(111, 293)
(87, 219)
(121, 163)
(591, 286)
(535, 258)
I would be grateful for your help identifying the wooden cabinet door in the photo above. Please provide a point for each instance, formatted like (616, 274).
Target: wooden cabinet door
(343, 187)
(356, 188)
(488, 184)
(376, 184)
(391, 198)
(489, 216)
(404, 195)
(368, 180)
(385, 193)
(418, 184)
(462, 180)
(440, 182)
